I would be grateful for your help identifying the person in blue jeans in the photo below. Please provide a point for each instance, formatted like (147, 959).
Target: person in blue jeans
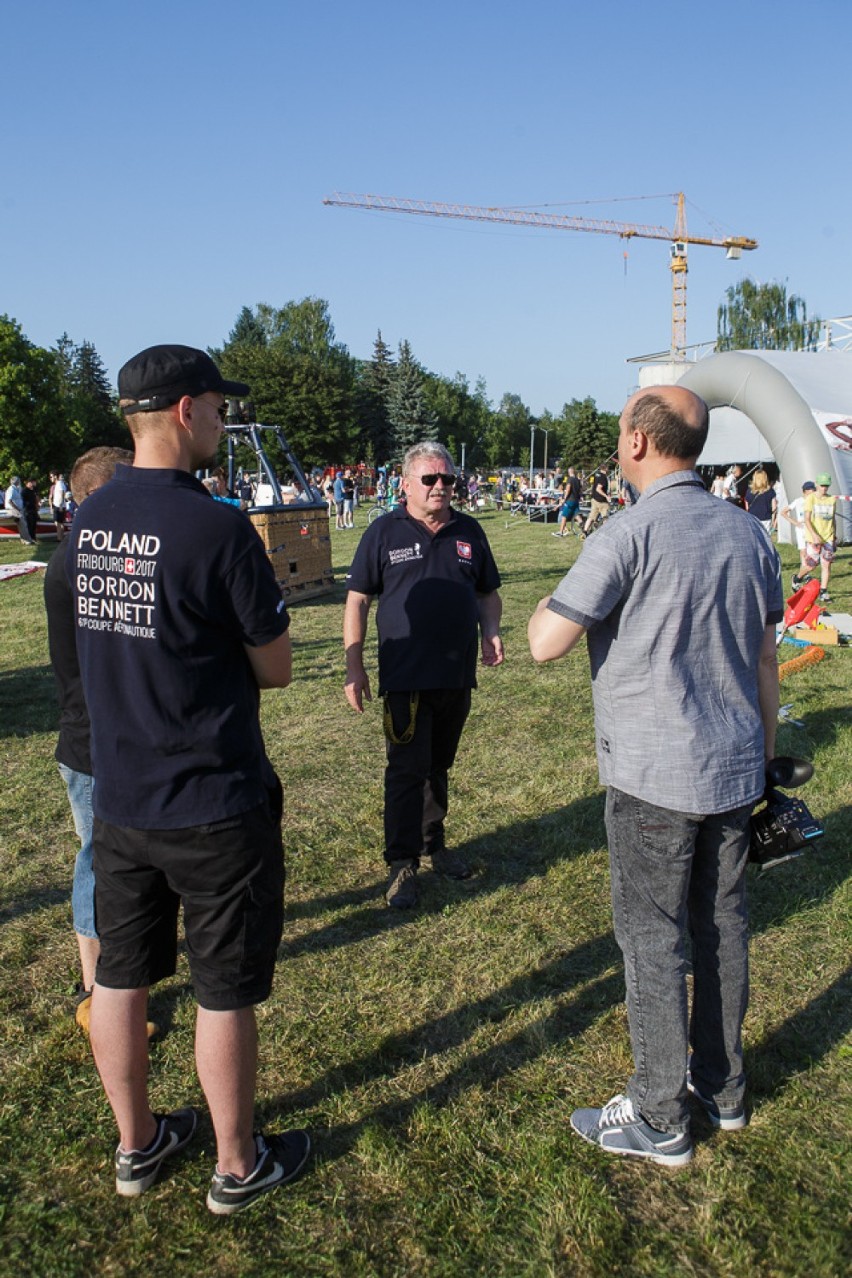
(679, 600)
(73, 750)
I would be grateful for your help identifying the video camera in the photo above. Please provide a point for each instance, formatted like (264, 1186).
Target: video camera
(784, 827)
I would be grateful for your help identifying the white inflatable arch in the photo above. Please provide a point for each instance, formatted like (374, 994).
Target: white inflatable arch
(740, 380)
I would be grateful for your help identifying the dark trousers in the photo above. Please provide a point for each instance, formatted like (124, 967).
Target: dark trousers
(416, 781)
(673, 873)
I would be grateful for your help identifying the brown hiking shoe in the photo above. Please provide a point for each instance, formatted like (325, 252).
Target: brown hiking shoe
(450, 864)
(402, 886)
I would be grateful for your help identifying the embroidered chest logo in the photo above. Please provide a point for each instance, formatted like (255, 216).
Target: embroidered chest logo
(404, 554)
(465, 552)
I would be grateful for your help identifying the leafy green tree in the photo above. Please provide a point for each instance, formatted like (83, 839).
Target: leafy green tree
(461, 417)
(508, 438)
(761, 317)
(587, 435)
(301, 378)
(33, 436)
(409, 415)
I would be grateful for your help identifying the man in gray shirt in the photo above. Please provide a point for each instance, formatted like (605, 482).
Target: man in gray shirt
(679, 598)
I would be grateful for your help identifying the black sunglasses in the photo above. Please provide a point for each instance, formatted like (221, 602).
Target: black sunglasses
(431, 480)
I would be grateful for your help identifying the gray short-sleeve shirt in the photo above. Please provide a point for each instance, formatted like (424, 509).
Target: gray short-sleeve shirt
(676, 593)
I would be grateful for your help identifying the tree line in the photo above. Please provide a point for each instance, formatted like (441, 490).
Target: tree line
(54, 404)
(333, 407)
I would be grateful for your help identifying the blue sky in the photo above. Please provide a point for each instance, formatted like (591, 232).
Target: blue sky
(165, 165)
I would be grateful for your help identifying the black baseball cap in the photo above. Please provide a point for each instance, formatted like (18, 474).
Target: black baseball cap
(161, 375)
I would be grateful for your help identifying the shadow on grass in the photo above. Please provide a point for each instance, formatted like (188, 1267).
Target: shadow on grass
(802, 1040)
(526, 850)
(584, 969)
(786, 889)
(32, 902)
(28, 702)
(509, 856)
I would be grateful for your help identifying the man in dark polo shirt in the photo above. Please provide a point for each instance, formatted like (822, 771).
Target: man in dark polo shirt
(434, 576)
(179, 625)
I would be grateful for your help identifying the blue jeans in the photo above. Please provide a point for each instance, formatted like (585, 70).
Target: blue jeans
(673, 873)
(79, 786)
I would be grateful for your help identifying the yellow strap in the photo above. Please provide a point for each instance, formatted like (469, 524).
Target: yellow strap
(405, 737)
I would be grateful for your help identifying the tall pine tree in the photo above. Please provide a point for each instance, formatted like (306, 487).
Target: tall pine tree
(410, 418)
(375, 433)
(90, 413)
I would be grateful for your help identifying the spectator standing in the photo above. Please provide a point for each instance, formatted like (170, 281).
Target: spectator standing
(434, 576)
(679, 600)
(569, 511)
(821, 532)
(761, 501)
(180, 624)
(338, 500)
(732, 485)
(795, 514)
(58, 497)
(348, 499)
(599, 508)
(14, 500)
(73, 752)
(29, 496)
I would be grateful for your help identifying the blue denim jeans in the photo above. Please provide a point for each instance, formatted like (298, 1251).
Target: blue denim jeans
(673, 874)
(79, 786)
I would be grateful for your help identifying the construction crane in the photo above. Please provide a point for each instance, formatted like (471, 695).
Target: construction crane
(678, 237)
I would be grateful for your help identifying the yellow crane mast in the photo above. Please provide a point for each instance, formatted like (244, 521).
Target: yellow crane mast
(678, 237)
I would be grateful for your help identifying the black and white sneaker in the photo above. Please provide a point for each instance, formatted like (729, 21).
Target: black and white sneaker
(279, 1160)
(137, 1169)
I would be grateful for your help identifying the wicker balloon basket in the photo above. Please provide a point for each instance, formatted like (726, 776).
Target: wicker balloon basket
(298, 543)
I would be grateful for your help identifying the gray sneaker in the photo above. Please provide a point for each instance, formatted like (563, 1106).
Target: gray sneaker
(618, 1129)
(279, 1160)
(137, 1169)
(730, 1118)
(401, 892)
(450, 864)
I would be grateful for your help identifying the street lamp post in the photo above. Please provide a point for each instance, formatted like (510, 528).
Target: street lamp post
(546, 433)
(532, 446)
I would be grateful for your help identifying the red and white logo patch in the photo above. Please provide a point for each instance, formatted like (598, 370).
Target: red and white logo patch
(463, 547)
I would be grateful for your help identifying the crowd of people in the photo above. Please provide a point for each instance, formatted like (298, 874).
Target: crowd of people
(165, 624)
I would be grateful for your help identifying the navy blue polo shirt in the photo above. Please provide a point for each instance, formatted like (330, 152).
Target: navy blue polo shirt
(169, 585)
(427, 587)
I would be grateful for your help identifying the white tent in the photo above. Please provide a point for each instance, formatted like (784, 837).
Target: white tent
(792, 407)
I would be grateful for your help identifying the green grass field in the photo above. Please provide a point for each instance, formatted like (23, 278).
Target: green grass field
(435, 1056)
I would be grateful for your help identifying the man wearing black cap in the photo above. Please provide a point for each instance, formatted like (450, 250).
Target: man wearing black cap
(179, 624)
